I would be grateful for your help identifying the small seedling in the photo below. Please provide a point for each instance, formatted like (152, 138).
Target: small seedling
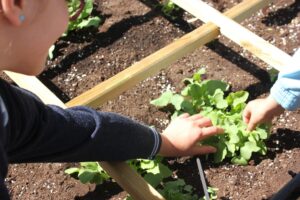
(79, 18)
(169, 8)
(80, 15)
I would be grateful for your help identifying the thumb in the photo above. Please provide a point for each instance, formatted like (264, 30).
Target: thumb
(246, 115)
(251, 125)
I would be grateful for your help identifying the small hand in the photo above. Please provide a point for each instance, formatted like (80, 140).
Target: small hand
(182, 135)
(261, 111)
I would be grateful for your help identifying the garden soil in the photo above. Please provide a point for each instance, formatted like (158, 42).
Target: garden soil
(132, 30)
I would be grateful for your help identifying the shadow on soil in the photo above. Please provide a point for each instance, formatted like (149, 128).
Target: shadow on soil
(103, 39)
(282, 140)
(254, 90)
(282, 16)
(97, 41)
(176, 17)
(102, 192)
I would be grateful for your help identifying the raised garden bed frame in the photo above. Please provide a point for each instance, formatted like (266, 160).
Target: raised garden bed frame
(216, 23)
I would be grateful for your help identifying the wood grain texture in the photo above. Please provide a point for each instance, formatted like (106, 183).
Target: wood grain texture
(237, 33)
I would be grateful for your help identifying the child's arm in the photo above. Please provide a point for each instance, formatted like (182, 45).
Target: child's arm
(38, 133)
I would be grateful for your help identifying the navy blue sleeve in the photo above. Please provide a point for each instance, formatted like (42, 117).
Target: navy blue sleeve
(34, 132)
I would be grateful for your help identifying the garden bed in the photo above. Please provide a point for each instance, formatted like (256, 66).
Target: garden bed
(133, 29)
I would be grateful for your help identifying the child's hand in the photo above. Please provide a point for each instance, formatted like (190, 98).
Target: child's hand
(182, 135)
(261, 111)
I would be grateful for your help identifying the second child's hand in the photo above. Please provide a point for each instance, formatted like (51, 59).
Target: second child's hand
(261, 111)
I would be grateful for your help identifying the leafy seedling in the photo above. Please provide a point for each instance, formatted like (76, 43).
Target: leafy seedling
(212, 99)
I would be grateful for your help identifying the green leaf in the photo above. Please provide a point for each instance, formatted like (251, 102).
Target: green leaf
(263, 134)
(213, 116)
(239, 160)
(177, 101)
(236, 98)
(219, 100)
(148, 164)
(263, 147)
(154, 170)
(153, 179)
(85, 175)
(212, 85)
(221, 153)
(187, 81)
(72, 170)
(197, 76)
(188, 107)
(164, 170)
(90, 165)
(90, 22)
(98, 179)
(248, 148)
(233, 134)
(188, 188)
(231, 147)
(195, 91)
(163, 100)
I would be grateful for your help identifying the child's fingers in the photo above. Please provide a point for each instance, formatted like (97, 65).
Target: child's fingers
(209, 131)
(246, 115)
(204, 122)
(199, 150)
(184, 115)
(196, 117)
(251, 125)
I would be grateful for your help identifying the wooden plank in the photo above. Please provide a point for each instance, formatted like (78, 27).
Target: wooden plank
(237, 33)
(150, 65)
(125, 176)
(34, 85)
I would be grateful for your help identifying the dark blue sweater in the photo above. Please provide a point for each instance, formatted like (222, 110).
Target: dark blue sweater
(33, 132)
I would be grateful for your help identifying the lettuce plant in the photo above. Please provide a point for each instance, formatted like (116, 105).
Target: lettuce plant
(212, 98)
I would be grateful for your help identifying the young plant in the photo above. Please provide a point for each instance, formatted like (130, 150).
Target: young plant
(211, 98)
(153, 171)
(156, 174)
(212, 191)
(89, 172)
(80, 15)
(169, 9)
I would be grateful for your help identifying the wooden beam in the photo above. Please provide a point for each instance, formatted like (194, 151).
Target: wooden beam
(34, 85)
(237, 33)
(150, 65)
(126, 176)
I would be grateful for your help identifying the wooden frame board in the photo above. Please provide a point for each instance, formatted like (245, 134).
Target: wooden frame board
(237, 33)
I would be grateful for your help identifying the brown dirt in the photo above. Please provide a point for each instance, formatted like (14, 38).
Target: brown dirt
(132, 30)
